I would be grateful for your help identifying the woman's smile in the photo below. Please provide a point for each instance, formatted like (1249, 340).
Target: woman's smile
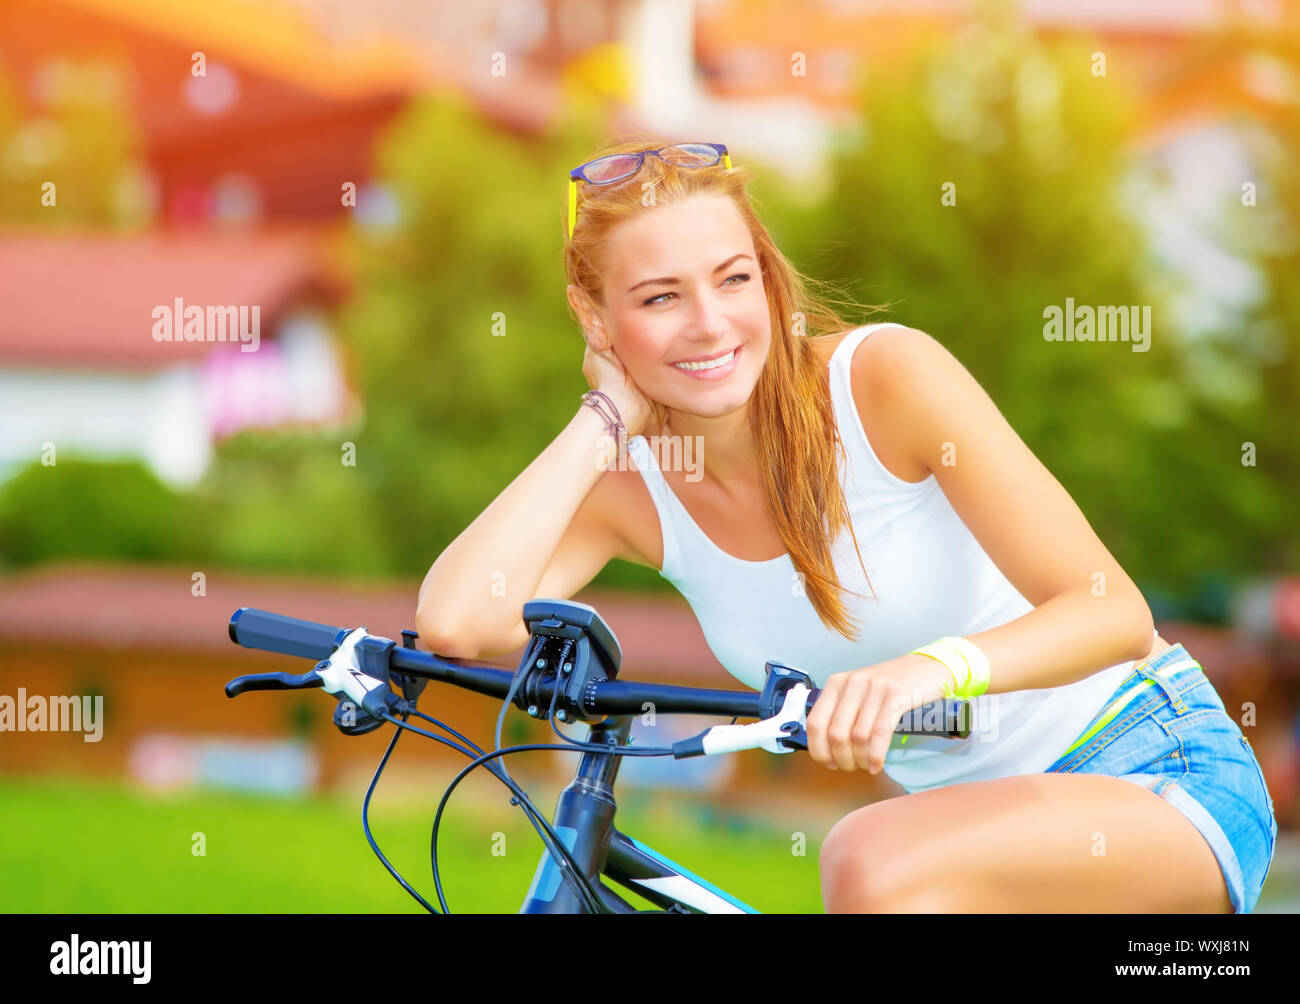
(716, 368)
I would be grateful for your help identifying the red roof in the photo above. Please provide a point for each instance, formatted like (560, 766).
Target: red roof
(87, 299)
(130, 606)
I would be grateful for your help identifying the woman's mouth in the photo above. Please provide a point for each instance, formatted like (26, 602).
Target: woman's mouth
(712, 369)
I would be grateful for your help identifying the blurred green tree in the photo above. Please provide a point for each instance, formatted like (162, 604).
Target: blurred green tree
(1266, 230)
(984, 187)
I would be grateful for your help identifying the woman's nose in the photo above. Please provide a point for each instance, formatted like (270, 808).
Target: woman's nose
(708, 315)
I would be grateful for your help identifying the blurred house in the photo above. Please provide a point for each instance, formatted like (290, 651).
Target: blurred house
(256, 142)
(248, 136)
(289, 106)
(1198, 124)
(81, 370)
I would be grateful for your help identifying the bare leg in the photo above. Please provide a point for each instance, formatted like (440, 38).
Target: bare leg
(1036, 843)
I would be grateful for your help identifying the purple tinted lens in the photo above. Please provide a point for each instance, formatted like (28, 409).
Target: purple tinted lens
(611, 168)
(691, 155)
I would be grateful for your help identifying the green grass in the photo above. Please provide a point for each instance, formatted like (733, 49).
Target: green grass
(72, 845)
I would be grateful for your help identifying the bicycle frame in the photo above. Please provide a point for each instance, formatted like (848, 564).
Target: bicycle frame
(584, 820)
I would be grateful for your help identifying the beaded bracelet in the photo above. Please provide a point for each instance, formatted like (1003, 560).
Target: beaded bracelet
(603, 406)
(603, 411)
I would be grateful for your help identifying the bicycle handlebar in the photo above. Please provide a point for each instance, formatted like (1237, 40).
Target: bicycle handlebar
(261, 629)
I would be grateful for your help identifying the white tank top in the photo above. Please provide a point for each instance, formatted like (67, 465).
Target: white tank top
(931, 578)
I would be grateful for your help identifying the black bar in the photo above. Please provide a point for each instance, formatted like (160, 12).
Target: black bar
(273, 632)
(287, 635)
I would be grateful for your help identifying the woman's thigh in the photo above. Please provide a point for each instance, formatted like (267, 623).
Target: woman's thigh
(1033, 843)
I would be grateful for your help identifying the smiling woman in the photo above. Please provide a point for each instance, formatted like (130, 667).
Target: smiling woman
(692, 314)
(865, 513)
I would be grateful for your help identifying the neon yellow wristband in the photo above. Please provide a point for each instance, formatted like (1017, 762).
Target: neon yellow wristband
(977, 682)
(953, 660)
(965, 660)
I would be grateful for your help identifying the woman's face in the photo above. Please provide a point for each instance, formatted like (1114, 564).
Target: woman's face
(682, 284)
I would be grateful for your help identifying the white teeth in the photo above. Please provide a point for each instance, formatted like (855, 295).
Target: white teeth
(711, 364)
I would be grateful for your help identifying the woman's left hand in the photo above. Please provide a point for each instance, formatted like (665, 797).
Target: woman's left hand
(851, 724)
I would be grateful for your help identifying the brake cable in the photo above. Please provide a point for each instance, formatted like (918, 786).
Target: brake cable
(469, 743)
(569, 870)
(539, 822)
(479, 761)
(365, 825)
(404, 707)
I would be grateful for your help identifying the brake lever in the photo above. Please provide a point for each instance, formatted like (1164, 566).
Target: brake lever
(273, 681)
(772, 734)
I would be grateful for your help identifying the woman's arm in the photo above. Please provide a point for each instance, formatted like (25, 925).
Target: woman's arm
(1088, 614)
(471, 602)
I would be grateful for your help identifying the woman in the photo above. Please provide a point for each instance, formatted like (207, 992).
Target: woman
(827, 455)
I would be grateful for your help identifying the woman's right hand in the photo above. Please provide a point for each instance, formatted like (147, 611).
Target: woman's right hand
(605, 372)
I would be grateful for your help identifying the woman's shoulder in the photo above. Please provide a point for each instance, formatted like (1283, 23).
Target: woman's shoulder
(826, 344)
(873, 372)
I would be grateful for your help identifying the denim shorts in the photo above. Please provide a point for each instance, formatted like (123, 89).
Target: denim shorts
(1174, 737)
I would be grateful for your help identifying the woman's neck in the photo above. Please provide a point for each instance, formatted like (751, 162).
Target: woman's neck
(723, 448)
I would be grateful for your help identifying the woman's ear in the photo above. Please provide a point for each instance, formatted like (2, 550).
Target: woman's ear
(593, 328)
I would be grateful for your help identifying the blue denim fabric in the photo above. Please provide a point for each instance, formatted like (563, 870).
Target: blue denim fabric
(1176, 739)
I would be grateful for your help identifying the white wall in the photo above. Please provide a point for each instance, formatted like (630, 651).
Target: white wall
(171, 418)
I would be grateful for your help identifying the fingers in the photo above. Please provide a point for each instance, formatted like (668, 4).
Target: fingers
(831, 720)
(891, 710)
(849, 730)
(814, 726)
(852, 723)
(595, 363)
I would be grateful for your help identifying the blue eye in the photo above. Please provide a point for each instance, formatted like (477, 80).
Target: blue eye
(743, 276)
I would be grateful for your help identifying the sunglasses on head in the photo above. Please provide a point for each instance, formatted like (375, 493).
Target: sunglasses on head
(620, 166)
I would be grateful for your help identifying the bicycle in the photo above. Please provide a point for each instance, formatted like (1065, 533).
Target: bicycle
(568, 673)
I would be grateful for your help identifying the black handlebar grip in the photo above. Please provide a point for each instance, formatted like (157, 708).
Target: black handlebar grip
(287, 635)
(956, 718)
